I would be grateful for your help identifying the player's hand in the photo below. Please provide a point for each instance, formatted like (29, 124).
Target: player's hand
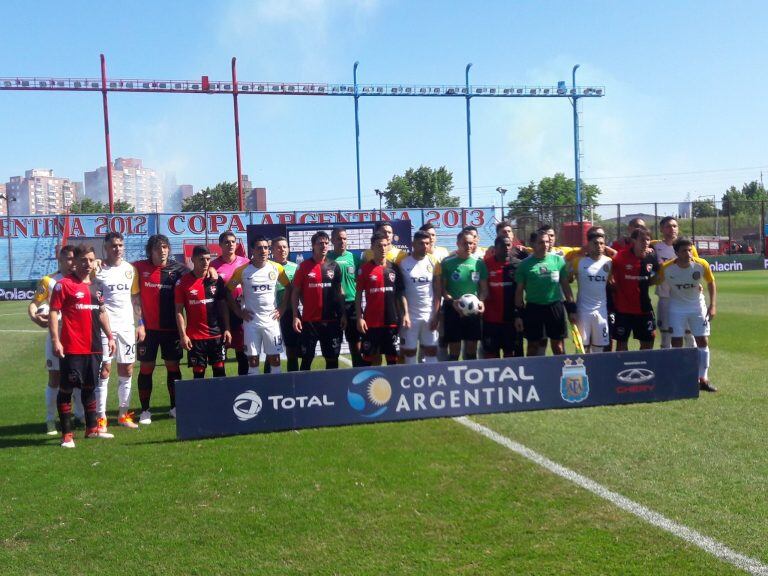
(406, 321)
(297, 325)
(58, 349)
(41, 320)
(212, 273)
(519, 324)
(711, 312)
(572, 318)
(362, 327)
(112, 347)
(481, 306)
(186, 342)
(246, 314)
(227, 337)
(276, 314)
(455, 304)
(434, 321)
(141, 333)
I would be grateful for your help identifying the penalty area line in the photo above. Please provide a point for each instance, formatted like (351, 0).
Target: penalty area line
(691, 536)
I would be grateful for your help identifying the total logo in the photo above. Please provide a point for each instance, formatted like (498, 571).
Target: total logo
(247, 405)
(369, 393)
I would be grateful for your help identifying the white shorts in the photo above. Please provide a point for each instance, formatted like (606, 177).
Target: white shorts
(419, 332)
(662, 314)
(125, 346)
(593, 327)
(51, 360)
(267, 337)
(681, 320)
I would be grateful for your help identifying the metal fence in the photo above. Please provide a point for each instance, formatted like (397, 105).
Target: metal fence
(716, 227)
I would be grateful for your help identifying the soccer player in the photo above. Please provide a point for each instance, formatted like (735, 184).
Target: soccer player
(541, 283)
(40, 316)
(626, 243)
(157, 329)
(463, 273)
(423, 289)
(120, 284)
(591, 272)
(665, 251)
(380, 282)
(439, 252)
(683, 277)
(225, 265)
(394, 253)
(261, 327)
(77, 304)
(632, 273)
(317, 286)
(499, 332)
(504, 230)
(200, 333)
(348, 264)
(280, 253)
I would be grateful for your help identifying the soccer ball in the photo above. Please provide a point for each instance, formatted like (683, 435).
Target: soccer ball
(42, 310)
(468, 305)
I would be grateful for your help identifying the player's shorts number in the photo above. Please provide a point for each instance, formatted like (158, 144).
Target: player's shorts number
(130, 349)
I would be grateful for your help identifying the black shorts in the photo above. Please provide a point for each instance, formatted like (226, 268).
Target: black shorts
(206, 352)
(457, 327)
(502, 336)
(641, 326)
(380, 340)
(166, 340)
(80, 371)
(543, 321)
(327, 333)
(291, 338)
(350, 332)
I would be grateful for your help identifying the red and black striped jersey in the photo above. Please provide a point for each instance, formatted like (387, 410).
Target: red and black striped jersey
(80, 303)
(500, 302)
(156, 284)
(632, 276)
(200, 297)
(320, 287)
(382, 285)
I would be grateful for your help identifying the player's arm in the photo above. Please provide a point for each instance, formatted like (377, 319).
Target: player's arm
(283, 279)
(519, 303)
(482, 294)
(237, 280)
(362, 327)
(295, 299)
(41, 295)
(437, 290)
(181, 324)
(138, 316)
(570, 303)
(53, 330)
(709, 278)
(105, 327)
(338, 292)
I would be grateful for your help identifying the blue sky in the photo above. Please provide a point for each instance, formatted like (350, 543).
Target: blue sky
(683, 114)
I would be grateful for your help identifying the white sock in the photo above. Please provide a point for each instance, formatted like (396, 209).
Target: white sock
(101, 396)
(78, 405)
(430, 359)
(124, 393)
(411, 359)
(51, 409)
(253, 370)
(595, 349)
(703, 362)
(276, 369)
(689, 341)
(666, 340)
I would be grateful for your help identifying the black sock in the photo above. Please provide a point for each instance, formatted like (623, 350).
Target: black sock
(292, 364)
(64, 406)
(453, 357)
(144, 383)
(218, 371)
(306, 364)
(171, 382)
(331, 363)
(242, 362)
(267, 368)
(468, 356)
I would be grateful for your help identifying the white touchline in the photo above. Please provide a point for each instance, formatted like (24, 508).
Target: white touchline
(42, 331)
(691, 536)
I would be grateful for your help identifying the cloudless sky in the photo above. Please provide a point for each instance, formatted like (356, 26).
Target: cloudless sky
(683, 113)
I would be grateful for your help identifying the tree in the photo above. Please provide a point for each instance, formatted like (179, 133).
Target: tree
(704, 209)
(220, 198)
(88, 206)
(122, 206)
(537, 201)
(421, 188)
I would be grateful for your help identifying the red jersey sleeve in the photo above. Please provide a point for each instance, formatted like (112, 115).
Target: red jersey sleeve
(57, 298)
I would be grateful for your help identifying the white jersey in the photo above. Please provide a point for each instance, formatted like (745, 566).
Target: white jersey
(685, 284)
(593, 280)
(120, 282)
(259, 288)
(419, 288)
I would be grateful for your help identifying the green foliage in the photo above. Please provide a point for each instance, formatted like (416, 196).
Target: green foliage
(220, 198)
(421, 188)
(88, 206)
(703, 209)
(746, 200)
(538, 201)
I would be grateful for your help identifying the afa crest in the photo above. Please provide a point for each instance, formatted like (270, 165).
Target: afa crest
(574, 383)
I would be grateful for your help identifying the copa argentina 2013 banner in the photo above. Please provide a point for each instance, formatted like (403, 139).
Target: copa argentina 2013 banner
(291, 401)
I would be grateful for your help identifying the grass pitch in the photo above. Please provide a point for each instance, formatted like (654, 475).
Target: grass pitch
(427, 497)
